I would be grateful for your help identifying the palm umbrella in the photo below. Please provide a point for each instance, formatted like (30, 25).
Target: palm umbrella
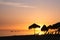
(56, 25)
(34, 26)
(44, 28)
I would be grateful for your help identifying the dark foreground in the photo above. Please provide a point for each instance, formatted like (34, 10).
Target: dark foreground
(32, 37)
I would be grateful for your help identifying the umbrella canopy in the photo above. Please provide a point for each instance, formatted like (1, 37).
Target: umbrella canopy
(50, 27)
(44, 28)
(34, 26)
(57, 25)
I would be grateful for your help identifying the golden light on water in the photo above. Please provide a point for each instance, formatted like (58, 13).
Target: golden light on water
(41, 33)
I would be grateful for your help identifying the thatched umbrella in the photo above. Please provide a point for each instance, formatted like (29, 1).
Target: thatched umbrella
(44, 28)
(56, 25)
(34, 26)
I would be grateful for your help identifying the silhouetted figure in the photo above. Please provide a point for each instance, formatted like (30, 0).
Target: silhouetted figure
(34, 26)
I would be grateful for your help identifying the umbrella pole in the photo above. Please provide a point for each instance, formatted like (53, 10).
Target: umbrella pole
(34, 31)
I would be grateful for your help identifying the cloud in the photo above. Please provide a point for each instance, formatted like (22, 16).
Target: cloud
(16, 4)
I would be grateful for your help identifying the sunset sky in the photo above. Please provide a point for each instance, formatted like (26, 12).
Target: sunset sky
(19, 14)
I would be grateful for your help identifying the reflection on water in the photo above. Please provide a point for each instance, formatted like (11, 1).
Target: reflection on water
(15, 32)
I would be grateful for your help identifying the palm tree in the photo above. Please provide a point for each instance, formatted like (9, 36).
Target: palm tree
(34, 26)
(44, 28)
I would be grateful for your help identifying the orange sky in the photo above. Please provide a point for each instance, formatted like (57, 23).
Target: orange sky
(20, 14)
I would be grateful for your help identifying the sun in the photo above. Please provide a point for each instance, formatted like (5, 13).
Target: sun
(39, 32)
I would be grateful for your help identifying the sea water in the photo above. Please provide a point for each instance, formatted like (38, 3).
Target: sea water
(15, 32)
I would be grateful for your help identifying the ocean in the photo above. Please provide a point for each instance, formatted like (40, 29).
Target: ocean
(15, 32)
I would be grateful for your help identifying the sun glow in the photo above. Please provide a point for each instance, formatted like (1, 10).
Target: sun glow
(39, 32)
